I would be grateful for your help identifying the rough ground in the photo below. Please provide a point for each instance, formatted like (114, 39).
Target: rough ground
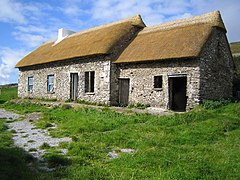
(151, 110)
(28, 137)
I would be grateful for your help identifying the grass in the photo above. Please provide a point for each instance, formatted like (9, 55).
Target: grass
(45, 146)
(201, 144)
(235, 47)
(138, 106)
(7, 94)
(16, 163)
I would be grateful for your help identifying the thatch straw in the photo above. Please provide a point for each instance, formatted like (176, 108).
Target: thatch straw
(213, 19)
(95, 41)
(177, 39)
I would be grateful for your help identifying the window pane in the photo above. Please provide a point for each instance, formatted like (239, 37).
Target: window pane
(50, 79)
(89, 81)
(30, 81)
(92, 81)
(50, 83)
(86, 81)
(30, 88)
(51, 88)
(30, 84)
(157, 81)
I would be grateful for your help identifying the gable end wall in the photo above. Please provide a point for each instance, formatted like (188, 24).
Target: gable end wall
(216, 68)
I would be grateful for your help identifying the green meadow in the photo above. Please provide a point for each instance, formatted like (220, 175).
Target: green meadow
(201, 144)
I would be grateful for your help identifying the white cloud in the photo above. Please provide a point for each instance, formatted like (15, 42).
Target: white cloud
(74, 8)
(38, 22)
(31, 29)
(31, 40)
(12, 11)
(32, 36)
(9, 58)
(153, 11)
(159, 11)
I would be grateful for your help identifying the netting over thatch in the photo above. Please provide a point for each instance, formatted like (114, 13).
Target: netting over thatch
(176, 39)
(95, 41)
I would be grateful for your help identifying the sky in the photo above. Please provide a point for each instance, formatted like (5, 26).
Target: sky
(26, 24)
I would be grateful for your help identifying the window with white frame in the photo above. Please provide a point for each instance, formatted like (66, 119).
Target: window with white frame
(50, 83)
(30, 84)
(89, 81)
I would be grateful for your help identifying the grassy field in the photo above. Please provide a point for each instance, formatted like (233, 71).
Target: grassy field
(235, 47)
(237, 65)
(7, 94)
(201, 144)
(14, 161)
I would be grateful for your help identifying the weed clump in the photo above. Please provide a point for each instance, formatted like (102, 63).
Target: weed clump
(55, 160)
(214, 104)
(45, 146)
(66, 106)
(32, 150)
(138, 106)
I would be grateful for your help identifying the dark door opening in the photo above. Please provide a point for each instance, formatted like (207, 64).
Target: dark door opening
(73, 86)
(177, 93)
(123, 92)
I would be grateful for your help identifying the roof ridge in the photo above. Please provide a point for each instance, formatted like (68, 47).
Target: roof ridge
(135, 20)
(212, 18)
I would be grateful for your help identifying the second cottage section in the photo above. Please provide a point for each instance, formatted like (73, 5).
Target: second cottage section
(174, 65)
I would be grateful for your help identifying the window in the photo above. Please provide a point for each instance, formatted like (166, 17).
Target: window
(50, 83)
(30, 84)
(89, 81)
(158, 82)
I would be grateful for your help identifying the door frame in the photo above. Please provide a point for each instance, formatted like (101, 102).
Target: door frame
(120, 91)
(74, 80)
(170, 89)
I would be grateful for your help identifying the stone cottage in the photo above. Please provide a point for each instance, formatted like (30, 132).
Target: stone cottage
(174, 65)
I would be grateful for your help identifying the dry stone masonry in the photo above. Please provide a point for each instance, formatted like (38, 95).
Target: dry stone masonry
(135, 66)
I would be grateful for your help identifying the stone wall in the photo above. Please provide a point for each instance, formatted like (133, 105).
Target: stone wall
(61, 72)
(208, 77)
(216, 68)
(141, 77)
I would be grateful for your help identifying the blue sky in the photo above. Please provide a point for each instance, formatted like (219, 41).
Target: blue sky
(25, 24)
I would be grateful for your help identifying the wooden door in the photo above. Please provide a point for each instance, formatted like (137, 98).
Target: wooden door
(123, 92)
(73, 86)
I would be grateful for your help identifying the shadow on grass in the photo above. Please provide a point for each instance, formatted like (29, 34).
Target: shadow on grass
(2, 101)
(16, 164)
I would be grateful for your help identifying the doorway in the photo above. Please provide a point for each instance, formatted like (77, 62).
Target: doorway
(177, 93)
(73, 86)
(123, 91)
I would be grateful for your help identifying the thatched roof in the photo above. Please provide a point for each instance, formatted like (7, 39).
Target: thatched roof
(96, 41)
(177, 39)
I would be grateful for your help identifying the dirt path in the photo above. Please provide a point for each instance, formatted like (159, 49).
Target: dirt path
(151, 110)
(30, 138)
